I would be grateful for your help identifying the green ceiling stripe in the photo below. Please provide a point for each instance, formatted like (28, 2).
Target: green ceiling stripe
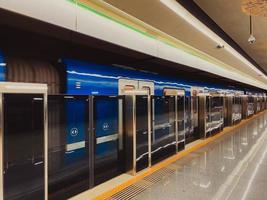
(110, 18)
(189, 51)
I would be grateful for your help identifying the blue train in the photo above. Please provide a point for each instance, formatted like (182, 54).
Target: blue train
(95, 122)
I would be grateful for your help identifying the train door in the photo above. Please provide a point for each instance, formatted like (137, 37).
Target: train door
(23, 139)
(137, 123)
(108, 133)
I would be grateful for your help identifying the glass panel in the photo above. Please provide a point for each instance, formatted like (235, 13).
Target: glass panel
(194, 100)
(68, 146)
(258, 104)
(191, 118)
(216, 114)
(187, 117)
(181, 122)
(108, 157)
(250, 109)
(163, 140)
(23, 147)
(181, 113)
(237, 109)
(141, 132)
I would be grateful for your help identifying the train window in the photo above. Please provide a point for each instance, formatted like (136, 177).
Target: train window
(68, 151)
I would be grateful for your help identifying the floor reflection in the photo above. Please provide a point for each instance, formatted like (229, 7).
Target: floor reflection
(232, 167)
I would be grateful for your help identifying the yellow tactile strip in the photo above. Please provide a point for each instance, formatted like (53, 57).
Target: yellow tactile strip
(172, 159)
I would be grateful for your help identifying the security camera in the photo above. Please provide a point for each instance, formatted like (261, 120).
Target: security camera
(251, 39)
(220, 46)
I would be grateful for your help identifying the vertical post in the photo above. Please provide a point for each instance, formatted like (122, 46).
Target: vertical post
(153, 122)
(46, 146)
(149, 128)
(92, 141)
(1, 147)
(134, 133)
(184, 118)
(210, 99)
(250, 25)
(120, 125)
(176, 121)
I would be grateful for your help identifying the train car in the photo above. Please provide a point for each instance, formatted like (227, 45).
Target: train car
(80, 124)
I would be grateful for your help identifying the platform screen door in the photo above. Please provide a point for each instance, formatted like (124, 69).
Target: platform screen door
(23, 141)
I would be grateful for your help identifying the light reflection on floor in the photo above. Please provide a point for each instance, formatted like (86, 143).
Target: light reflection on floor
(233, 167)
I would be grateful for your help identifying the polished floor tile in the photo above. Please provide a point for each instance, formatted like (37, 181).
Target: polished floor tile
(233, 167)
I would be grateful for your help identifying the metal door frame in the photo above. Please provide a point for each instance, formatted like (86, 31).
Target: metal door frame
(92, 134)
(133, 88)
(133, 96)
(176, 92)
(23, 88)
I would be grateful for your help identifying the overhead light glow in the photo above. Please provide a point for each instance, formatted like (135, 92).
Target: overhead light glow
(193, 21)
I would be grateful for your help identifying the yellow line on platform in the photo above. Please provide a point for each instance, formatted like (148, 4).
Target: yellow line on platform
(173, 158)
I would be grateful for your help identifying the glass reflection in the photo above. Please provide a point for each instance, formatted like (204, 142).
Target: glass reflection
(68, 151)
(214, 114)
(109, 160)
(181, 122)
(23, 147)
(237, 110)
(141, 132)
(190, 118)
(250, 109)
(163, 140)
(216, 168)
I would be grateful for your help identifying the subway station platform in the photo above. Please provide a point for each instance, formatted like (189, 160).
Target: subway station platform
(230, 165)
(111, 100)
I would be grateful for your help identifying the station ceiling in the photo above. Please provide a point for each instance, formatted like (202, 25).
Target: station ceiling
(236, 24)
(233, 22)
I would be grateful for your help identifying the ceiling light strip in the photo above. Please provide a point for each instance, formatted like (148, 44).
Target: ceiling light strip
(193, 21)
